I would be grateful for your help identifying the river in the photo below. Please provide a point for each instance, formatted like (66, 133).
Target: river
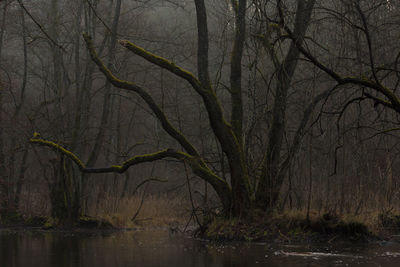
(158, 247)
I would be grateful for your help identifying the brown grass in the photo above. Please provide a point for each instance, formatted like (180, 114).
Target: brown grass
(156, 211)
(368, 218)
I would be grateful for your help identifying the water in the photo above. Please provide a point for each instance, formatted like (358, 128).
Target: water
(161, 248)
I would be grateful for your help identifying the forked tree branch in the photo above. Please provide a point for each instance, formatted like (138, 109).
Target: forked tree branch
(379, 101)
(167, 126)
(220, 126)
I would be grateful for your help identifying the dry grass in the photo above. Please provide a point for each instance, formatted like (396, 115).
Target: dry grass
(156, 211)
(161, 210)
(34, 204)
(372, 218)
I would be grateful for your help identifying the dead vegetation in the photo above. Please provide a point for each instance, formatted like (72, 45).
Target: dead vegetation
(155, 211)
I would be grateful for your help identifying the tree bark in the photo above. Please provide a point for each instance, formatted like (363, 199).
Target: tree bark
(3, 186)
(270, 180)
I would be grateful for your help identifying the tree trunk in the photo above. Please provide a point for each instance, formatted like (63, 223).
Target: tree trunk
(272, 178)
(3, 185)
(64, 193)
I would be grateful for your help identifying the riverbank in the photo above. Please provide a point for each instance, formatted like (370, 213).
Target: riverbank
(175, 215)
(157, 210)
(283, 228)
(297, 228)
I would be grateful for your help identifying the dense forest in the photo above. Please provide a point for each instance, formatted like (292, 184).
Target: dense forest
(230, 107)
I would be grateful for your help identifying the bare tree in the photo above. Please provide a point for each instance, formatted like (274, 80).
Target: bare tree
(239, 192)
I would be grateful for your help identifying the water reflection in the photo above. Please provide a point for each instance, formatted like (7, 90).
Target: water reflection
(159, 248)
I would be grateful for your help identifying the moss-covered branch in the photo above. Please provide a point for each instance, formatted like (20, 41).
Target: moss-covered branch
(167, 126)
(114, 168)
(37, 140)
(221, 128)
(198, 166)
(219, 125)
(163, 63)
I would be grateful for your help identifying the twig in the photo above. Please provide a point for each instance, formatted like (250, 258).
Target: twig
(191, 198)
(40, 26)
(97, 16)
(140, 207)
(149, 180)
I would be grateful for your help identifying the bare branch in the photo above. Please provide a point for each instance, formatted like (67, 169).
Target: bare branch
(147, 181)
(301, 130)
(369, 41)
(236, 70)
(144, 95)
(379, 101)
(362, 81)
(40, 26)
(100, 19)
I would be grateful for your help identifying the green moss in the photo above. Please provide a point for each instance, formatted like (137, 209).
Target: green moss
(48, 225)
(58, 148)
(160, 61)
(274, 25)
(117, 167)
